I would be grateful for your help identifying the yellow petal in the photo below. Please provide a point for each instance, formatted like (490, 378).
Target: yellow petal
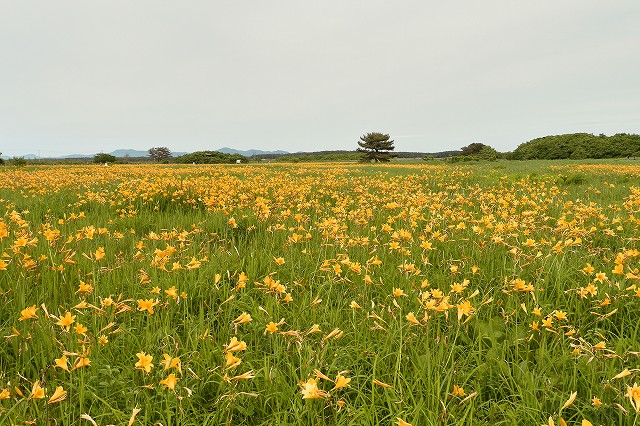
(134, 413)
(623, 373)
(59, 395)
(570, 400)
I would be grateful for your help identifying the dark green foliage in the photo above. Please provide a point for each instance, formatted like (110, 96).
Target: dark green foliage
(18, 161)
(211, 157)
(376, 147)
(104, 158)
(473, 149)
(476, 152)
(578, 146)
(160, 153)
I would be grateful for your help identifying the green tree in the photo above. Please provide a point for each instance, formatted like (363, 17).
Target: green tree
(376, 147)
(211, 157)
(104, 158)
(160, 153)
(473, 149)
(18, 161)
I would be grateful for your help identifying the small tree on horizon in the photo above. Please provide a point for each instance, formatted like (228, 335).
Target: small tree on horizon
(160, 153)
(103, 158)
(376, 147)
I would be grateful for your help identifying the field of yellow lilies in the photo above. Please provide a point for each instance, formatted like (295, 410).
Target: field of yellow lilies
(320, 294)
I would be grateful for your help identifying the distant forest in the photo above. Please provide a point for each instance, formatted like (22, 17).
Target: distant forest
(578, 146)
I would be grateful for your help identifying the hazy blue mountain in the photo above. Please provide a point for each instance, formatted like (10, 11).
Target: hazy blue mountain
(250, 152)
(134, 153)
(73, 156)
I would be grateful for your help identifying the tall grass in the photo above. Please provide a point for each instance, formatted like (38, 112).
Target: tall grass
(379, 265)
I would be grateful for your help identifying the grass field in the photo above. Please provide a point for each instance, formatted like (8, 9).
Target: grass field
(321, 294)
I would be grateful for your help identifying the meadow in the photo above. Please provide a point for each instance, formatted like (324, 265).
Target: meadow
(494, 293)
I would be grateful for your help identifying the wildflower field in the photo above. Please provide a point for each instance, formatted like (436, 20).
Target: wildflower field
(320, 294)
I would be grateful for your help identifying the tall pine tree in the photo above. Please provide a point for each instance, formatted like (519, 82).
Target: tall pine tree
(376, 147)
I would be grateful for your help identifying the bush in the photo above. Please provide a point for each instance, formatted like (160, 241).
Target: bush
(211, 157)
(18, 161)
(104, 158)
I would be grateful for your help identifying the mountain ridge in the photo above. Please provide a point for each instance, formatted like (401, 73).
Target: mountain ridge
(133, 153)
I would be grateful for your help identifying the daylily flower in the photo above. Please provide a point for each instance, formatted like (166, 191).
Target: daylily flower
(144, 361)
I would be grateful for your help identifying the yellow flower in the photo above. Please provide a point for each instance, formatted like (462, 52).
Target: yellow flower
(310, 390)
(67, 320)
(244, 376)
(595, 401)
(397, 292)
(457, 391)
(172, 292)
(232, 361)
(62, 363)
(633, 393)
(279, 260)
(193, 264)
(272, 327)
(170, 381)
(315, 328)
(84, 287)
(560, 315)
(28, 313)
(341, 381)
(59, 395)
(236, 345)
(146, 305)
(80, 329)
(570, 401)
(5, 394)
(600, 345)
(411, 317)
(401, 422)
(354, 305)
(81, 361)
(170, 362)
(37, 392)
(623, 373)
(244, 317)
(99, 253)
(144, 361)
(464, 308)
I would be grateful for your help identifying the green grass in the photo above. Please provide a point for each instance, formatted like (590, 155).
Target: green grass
(479, 214)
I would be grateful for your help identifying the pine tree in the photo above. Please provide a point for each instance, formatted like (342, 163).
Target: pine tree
(376, 147)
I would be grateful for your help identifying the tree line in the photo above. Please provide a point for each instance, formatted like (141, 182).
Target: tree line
(579, 146)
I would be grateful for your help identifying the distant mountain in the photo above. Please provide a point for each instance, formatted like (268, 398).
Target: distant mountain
(73, 156)
(120, 153)
(136, 153)
(250, 152)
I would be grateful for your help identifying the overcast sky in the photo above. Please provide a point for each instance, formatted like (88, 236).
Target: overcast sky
(86, 76)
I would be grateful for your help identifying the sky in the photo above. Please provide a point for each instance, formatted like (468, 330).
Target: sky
(88, 76)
